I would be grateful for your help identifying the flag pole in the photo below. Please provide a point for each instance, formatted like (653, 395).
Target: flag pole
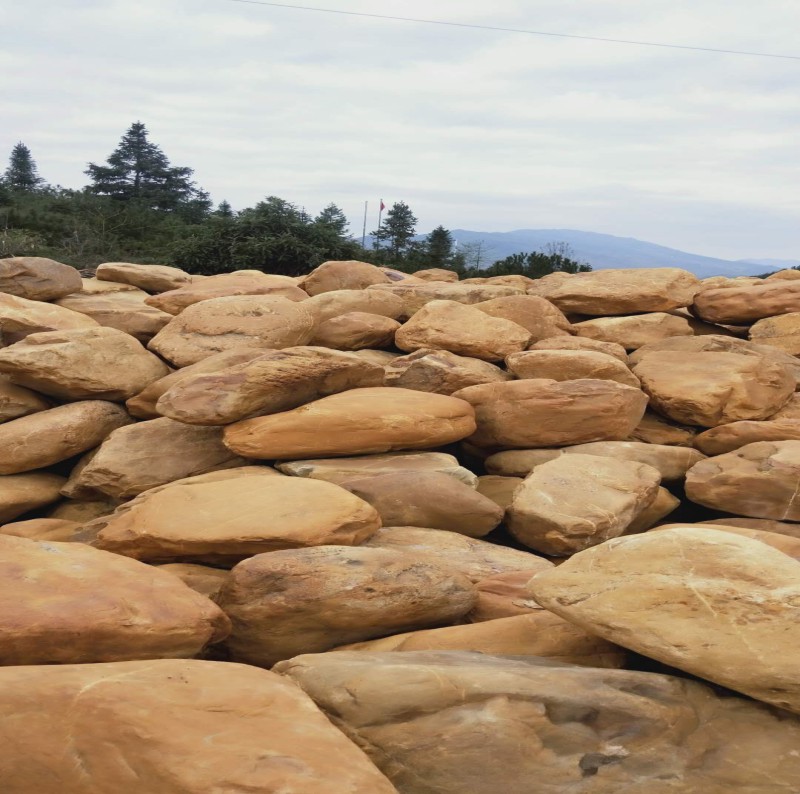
(364, 231)
(380, 214)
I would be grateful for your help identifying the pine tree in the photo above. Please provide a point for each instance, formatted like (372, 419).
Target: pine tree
(22, 173)
(224, 209)
(397, 229)
(439, 247)
(334, 218)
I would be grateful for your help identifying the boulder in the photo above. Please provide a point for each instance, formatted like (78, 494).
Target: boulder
(20, 493)
(453, 722)
(201, 578)
(716, 605)
(417, 295)
(345, 274)
(42, 529)
(503, 595)
(16, 401)
(136, 727)
(711, 389)
(436, 274)
(782, 332)
(48, 437)
(788, 274)
(20, 317)
(581, 343)
(82, 512)
(82, 364)
(440, 371)
(655, 429)
(310, 600)
(788, 544)
(664, 504)
(536, 315)
(235, 322)
(275, 381)
(563, 365)
(762, 524)
(93, 286)
(358, 421)
(636, 331)
(327, 305)
(744, 305)
(547, 413)
(760, 480)
(149, 278)
(727, 438)
(463, 330)
(577, 501)
(355, 331)
(37, 278)
(498, 488)
(67, 603)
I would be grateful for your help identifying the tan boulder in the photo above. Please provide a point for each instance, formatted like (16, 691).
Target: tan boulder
(788, 544)
(428, 499)
(763, 524)
(716, 605)
(358, 421)
(67, 603)
(355, 331)
(664, 504)
(727, 282)
(42, 529)
(37, 278)
(440, 371)
(581, 343)
(310, 600)
(536, 315)
(343, 274)
(237, 284)
(782, 332)
(790, 410)
(135, 728)
(20, 493)
(760, 480)
(380, 357)
(149, 278)
(48, 437)
(125, 311)
(727, 438)
(201, 578)
(20, 317)
(788, 274)
(16, 401)
(235, 322)
(141, 456)
(85, 363)
(436, 274)
(476, 559)
(655, 429)
(547, 413)
(563, 365)
(745, 305)
(224, 520)
(83, 511)
(339, 470)
(93, 286)
(577, 501)
(513, 280)
(503, 595)
(539, 633)
(417, 295)
(454, 722)
(499, 489)
(275, 381)
(635, 331)
(711, 389)
(327, 305)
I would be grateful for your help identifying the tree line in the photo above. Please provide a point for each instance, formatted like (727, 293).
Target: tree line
(138, 207)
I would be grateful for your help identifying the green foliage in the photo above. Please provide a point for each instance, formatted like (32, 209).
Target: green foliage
(22, 173)
(395, 236)
(536, 264)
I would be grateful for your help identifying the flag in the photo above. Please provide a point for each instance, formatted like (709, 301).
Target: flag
(383, 206)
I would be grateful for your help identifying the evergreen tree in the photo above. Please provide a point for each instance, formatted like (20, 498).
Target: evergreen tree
(333, 217)
(397, 230)
(224, 210)
(534, 264)
(439, 247)
(22, 173)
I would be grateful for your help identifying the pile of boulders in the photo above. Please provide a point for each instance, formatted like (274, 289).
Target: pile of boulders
(363, 532)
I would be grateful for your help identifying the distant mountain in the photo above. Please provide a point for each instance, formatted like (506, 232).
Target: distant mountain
(774, 264)
(607, 251)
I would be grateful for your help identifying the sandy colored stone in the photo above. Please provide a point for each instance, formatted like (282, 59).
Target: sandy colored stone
(48, 437)
(581, 343)
(563, 365)
(463, 330)
(763, 524)
(782, 332)
(718, 282)
(16, 401)
(655, 429)
(499, 489)
(538, 316)
(327, 305)
(339, 470)
(93, 286)
(20, 317)
(144, 455)
(417, 295)
(788, 544)
(787, 274)
(436, 274)
(227, 520)
(513, 280)
(428, 499)
(68, 603)
(359, 421)
(343, 274)
(634, 331)
(440, 371)
(380, 357)
(503, 595)
(664, 504)
(476, 559)
(136, 728)
(711, 389)
(547, 413)
(201, 578)
(310, 600)
(37, 278)
(56, 529)
(745, 305)
(727, 438)
(125, 311)
(233, 322)
(20, 493)
(539, 633)
(237, 284)
(454, 722)
(573, 502)
(275, 381)
(355, 331)
(714, 604)
(83, 511)
(149, 278)
(85, 363)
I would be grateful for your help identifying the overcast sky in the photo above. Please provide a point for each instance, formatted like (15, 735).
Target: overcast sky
(474, 129)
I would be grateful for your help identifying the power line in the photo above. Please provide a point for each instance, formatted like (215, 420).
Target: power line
(518, 30)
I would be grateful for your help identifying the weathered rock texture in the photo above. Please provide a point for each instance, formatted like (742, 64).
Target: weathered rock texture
(37, 278)
(150, 278)
(440, 371)
(744, 305)
(636, 331)
(570, 365)
(20, 493)
(20, 317)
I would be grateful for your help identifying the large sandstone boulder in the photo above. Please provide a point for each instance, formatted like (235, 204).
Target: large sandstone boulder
(20, 317)
(93, 286)
(37, 278)
(760, 480)
(42, 529)
(84, 363)
(440, 371)
(202, 579)
(717, 605)
(16, 401)
(762, 524)
(417, 295)
(498, 488)
(310, 600)
(20, 493)
(275, 381)
(327, 305)
(358, 421)
(782, 332)
(355, 331)
(788, 544)
(48, 437)
(68, 603)
(149, 278)
(83, 511)
(636, 331)
(503, 595)
(451, 723)
(711, 389)
(577, 501)
(745, 305)
(224, 520)
(570, 365)
(343, 274)
(664, 504)
(655, 429)
(141, 456)
(428, 499)
(547, 413)
(436, 274)
(581, 343)
(538, 316)
(727, 438)
(227, 323)
(171, 727)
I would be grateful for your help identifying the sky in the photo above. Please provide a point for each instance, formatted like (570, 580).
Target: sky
(473, 129)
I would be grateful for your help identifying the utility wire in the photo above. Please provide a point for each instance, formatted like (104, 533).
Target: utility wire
(518, 30)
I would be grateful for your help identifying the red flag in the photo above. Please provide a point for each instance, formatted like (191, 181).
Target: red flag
(383, 206)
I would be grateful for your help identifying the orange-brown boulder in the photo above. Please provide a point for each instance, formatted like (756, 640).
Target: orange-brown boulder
(56, 529)
(20, 317)
(570, 365)
(416, 295)
(745, 305)
(355, 331)
(343, 274)
(327, 305)
(635, 331)
(581, 343)
(16, 401)
(538, 316)
(150, 278)
(20, 493)
(781, 332)
(37, 278)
